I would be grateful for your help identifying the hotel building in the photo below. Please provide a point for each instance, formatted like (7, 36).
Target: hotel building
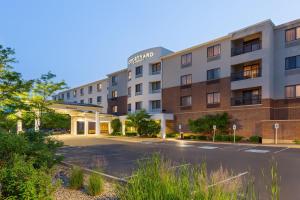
(253, 74)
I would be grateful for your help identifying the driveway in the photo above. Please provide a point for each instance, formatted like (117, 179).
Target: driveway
(118, 157)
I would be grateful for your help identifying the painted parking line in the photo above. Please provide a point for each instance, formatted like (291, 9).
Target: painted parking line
(256, 151)
(245, 148)
(184, 145)
(208, 147)
(281, 150)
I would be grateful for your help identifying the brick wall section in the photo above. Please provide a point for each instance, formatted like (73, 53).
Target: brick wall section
(289, 130)
(247, 118)
(121, 102)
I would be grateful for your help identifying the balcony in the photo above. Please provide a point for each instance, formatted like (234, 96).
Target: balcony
(245, 74)
(246, 48)
(246, 44)
(246, 100)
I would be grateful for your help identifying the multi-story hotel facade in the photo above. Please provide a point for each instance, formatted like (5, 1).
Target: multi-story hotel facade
(253, 74)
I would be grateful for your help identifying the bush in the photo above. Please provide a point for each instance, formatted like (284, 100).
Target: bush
(95, 185)
(155, 180)
(131, 134)
(228, 138)
(149, 128)
(172, 135)
(20, 180)
(195, 137)
(76, 178)
(297, 141)
(116, 126)
(205, 123)
(255, 139)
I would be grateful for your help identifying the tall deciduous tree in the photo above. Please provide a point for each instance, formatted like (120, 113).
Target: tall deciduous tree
(13, 89)
(43, 89)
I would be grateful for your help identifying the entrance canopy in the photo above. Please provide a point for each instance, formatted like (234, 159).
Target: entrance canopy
(85, 118)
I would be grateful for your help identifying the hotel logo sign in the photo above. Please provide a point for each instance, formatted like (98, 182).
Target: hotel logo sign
(140, 58)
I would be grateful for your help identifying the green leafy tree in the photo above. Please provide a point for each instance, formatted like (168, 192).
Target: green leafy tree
(143, 124)
(43, 89)
(116, 126)
(137, 120)
(13, 89)
(205, 124)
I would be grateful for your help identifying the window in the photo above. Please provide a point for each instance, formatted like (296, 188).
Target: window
(138, 71)
(99, 87)
(129, 107)
(129, 91)
(186, 101)
(155, 105)
(129, 75)
(138, 105)
(155, 87)
(99, 99)
(186, 60)
(213, 98)
(251, 71)
(292, 91)
(81, 91)
(114, 94)
(90, 100)
(214, 51)
(292, 62)
(74, 93)
(82, 101)
(138, 89)
(114, 80)
(63, 96)
(90, 89)
(213, 74)
(68, 95)
(186, 79)
(155, 68)
(292, 34)
(115, 109)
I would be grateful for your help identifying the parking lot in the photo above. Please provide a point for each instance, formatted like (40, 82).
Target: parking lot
(119, 158)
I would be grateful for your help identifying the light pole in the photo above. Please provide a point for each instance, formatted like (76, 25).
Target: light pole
(214, 128)
(180, 132)
(276, 125)
(234, 128)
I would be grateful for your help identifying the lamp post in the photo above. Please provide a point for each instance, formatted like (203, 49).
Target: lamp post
(214, 128)
(276, 126)
(234, 128)
(180, 132)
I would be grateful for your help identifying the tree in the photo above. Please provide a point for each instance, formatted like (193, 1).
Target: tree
(13, 89)
(116, 126)
(143, 124)
(43, 89)
(205, 124)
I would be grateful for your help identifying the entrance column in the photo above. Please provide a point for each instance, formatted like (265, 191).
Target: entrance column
(19, 123)
(123, 127)
(97, 128)
(73, 125)
(109, 128)
(86, 126)
(163, 126)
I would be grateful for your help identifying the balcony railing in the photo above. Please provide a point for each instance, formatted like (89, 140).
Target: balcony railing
(253, 46)
(245, 74)
(239, 101)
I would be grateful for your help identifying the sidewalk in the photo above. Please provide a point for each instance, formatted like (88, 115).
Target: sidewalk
(139, 139)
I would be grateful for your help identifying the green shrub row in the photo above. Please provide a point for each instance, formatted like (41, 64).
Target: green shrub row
(131, 134)
(228, 138)
(172, 135)
(255, 139)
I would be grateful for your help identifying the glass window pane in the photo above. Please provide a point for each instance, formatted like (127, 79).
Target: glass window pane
(216, 97)
(290, 35)
(210, 98)
(298, 62)
(298, 33)
(290, 91)
(217, 50)
(298, 91)
(290, 62)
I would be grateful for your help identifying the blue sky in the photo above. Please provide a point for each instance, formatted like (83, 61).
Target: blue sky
(83, 40)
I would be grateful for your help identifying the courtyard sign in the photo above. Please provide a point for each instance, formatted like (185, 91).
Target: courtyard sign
(140, 58)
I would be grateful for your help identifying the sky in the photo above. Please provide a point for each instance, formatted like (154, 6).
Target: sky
(84, 40)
